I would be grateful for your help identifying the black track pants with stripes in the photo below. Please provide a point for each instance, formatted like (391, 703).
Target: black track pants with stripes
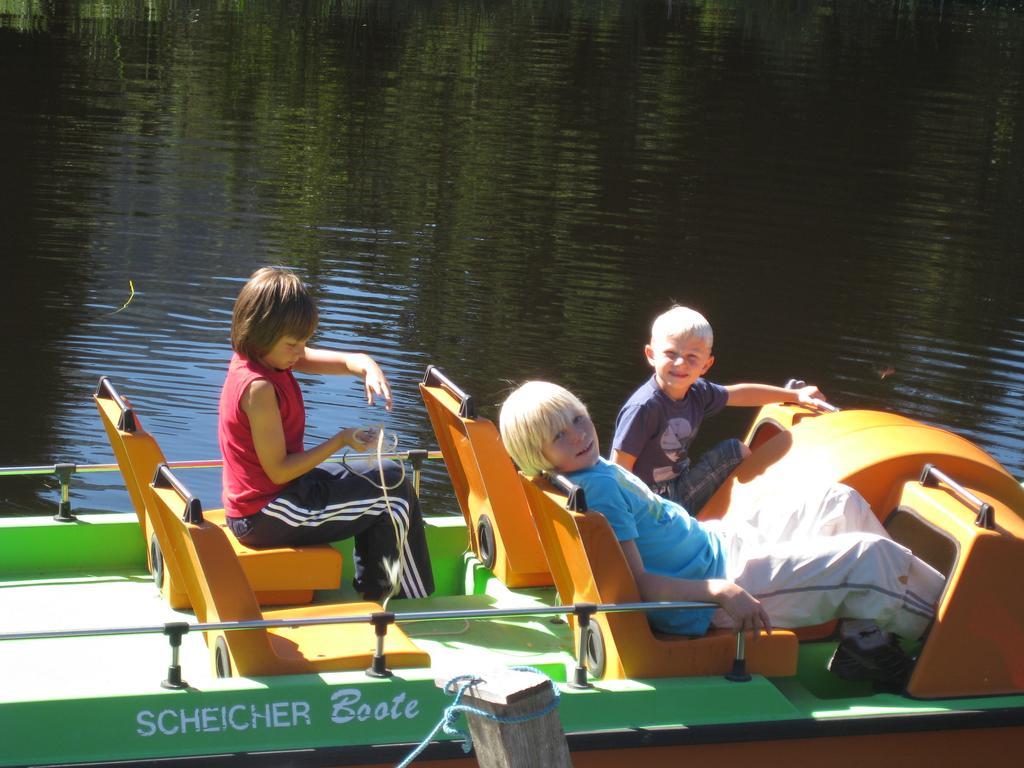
(333, 502)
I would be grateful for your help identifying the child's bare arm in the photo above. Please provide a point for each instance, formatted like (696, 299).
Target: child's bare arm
(764, 394)
(327, 361)
(744, 609)
(260, 404)
(623, 459)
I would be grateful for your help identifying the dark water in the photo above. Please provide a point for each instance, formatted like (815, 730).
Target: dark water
(509, 190)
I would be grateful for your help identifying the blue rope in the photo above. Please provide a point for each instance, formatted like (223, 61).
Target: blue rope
(452, 712)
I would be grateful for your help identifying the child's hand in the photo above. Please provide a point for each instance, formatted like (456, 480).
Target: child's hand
(376, 383)
(360, 438)
(744, 609)
(807, 395)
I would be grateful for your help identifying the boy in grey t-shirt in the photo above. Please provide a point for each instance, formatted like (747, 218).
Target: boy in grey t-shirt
(655, 427)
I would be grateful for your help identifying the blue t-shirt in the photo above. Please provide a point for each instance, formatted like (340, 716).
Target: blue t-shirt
(670, 542)
(658, 430)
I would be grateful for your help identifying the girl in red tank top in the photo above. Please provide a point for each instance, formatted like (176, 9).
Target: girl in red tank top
(276, 491)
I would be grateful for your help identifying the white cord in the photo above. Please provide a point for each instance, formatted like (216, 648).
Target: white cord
(383, 487)
(393, 569)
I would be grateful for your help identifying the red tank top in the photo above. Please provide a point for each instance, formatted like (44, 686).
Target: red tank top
(246, 489)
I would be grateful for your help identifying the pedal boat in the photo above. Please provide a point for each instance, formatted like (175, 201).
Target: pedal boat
(99, 667)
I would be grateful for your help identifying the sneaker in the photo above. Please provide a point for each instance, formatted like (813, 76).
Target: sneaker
(886, 665)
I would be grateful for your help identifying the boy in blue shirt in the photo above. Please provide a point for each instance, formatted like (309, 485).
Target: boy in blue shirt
(818, 555)
(655, 427)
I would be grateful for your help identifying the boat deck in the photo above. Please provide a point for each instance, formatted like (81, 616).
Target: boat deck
(135, 662)
(131, 663)
(109, 686)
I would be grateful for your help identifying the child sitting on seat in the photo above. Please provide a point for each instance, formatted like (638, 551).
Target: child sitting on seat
(655, 427)
(277, 492)
(818, 556)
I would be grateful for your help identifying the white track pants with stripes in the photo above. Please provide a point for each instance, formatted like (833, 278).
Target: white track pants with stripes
(333, 502)
(821, 555)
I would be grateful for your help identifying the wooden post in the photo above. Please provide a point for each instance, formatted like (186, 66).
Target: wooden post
(538, 742)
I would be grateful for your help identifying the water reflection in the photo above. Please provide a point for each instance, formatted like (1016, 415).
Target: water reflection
(509, 191)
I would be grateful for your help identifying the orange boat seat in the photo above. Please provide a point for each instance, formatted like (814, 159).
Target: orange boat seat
(486, 484)
(281, 576)
(219, 592)
(589, 567)
(974, 646)
(876, 452)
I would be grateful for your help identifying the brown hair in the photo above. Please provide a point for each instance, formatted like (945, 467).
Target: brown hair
(272, 304)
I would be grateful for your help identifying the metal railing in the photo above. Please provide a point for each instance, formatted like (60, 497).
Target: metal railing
(64, 472)
(380, 620)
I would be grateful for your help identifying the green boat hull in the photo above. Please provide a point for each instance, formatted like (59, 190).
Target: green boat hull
(99, 699)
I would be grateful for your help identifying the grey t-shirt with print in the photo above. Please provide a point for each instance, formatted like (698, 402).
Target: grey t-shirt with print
(658, 430)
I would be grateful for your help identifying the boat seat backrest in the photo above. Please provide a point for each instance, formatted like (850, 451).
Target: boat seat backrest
(285, 575)
(974, 645)
(217, 587)
(486, 485)
(220, 592)
(138, 456)
(575, 540)
(122, 424)
(588, 566)
(216, 584)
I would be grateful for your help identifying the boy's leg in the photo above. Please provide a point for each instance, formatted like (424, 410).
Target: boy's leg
(331, 502)
(695, 485)
(850, 575)
(810, 510)
(837, 508)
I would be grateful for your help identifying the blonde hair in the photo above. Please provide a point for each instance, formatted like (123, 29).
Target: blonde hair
(682, 322)
(531, 416)
(274, 303)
